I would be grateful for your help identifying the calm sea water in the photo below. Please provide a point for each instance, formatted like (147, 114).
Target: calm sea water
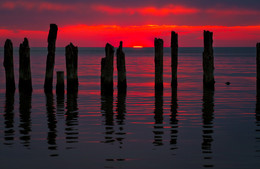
(184, 127)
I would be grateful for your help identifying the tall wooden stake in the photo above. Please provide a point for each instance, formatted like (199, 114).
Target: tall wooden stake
(72, 67)
(174, 57)
(208, 61)
(158, 60)
(107, 69)
(9, 65)
(122, 85)
(25, 78)
(50, 57)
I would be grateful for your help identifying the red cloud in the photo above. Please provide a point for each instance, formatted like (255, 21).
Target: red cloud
(167, 10)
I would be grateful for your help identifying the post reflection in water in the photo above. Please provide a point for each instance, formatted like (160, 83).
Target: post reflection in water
(257, 117)
(60, 105)
(52, 123)
(25, 101)
(158, 117)
(114, 133)
(174, 120)
(207, 118)
(71, 129)
(107, 112)
(120, 117)
(9, 118)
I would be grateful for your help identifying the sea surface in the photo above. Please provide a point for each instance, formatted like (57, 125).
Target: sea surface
(180, 128)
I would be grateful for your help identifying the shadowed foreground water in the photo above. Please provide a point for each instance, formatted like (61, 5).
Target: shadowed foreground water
(181, 127)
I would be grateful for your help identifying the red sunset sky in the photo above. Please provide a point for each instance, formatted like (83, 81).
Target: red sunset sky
(89, 23)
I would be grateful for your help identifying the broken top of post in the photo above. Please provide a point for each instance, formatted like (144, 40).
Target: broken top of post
(208, 61)
(107, 69)
(25, 78)
(52, 33)
(50, 58)
(9, 66)
(121, 68)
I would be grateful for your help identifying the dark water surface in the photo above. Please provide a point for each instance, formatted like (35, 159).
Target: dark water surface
(185, 127)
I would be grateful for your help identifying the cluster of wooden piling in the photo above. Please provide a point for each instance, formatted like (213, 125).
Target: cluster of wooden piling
(107, 70)
(107, 65)
(25, 77)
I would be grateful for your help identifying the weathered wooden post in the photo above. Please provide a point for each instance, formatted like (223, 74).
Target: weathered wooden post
(258, 67)
(9, 66)
(174, 57)
(60, 83)
(158, 60)
(121, 84)
(72, 68)
(107, 70)
(50, 57)
(25, 78)
(208, 61)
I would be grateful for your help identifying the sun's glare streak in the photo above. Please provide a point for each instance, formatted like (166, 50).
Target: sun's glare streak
(137, 47)
(137, 36)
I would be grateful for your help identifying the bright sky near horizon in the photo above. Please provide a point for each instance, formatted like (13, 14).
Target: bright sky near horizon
(91, 23)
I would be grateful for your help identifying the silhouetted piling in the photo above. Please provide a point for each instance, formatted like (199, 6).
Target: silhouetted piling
(208, 60)
(158, 60)
(60, 83)
(50, 57)
(122, 85)
(174, 57)
(72, 67)
(25, 78)
(107, 70)
(9, 65)
(258, 66)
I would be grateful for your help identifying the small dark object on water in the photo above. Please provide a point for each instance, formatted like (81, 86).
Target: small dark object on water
(227, 83)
